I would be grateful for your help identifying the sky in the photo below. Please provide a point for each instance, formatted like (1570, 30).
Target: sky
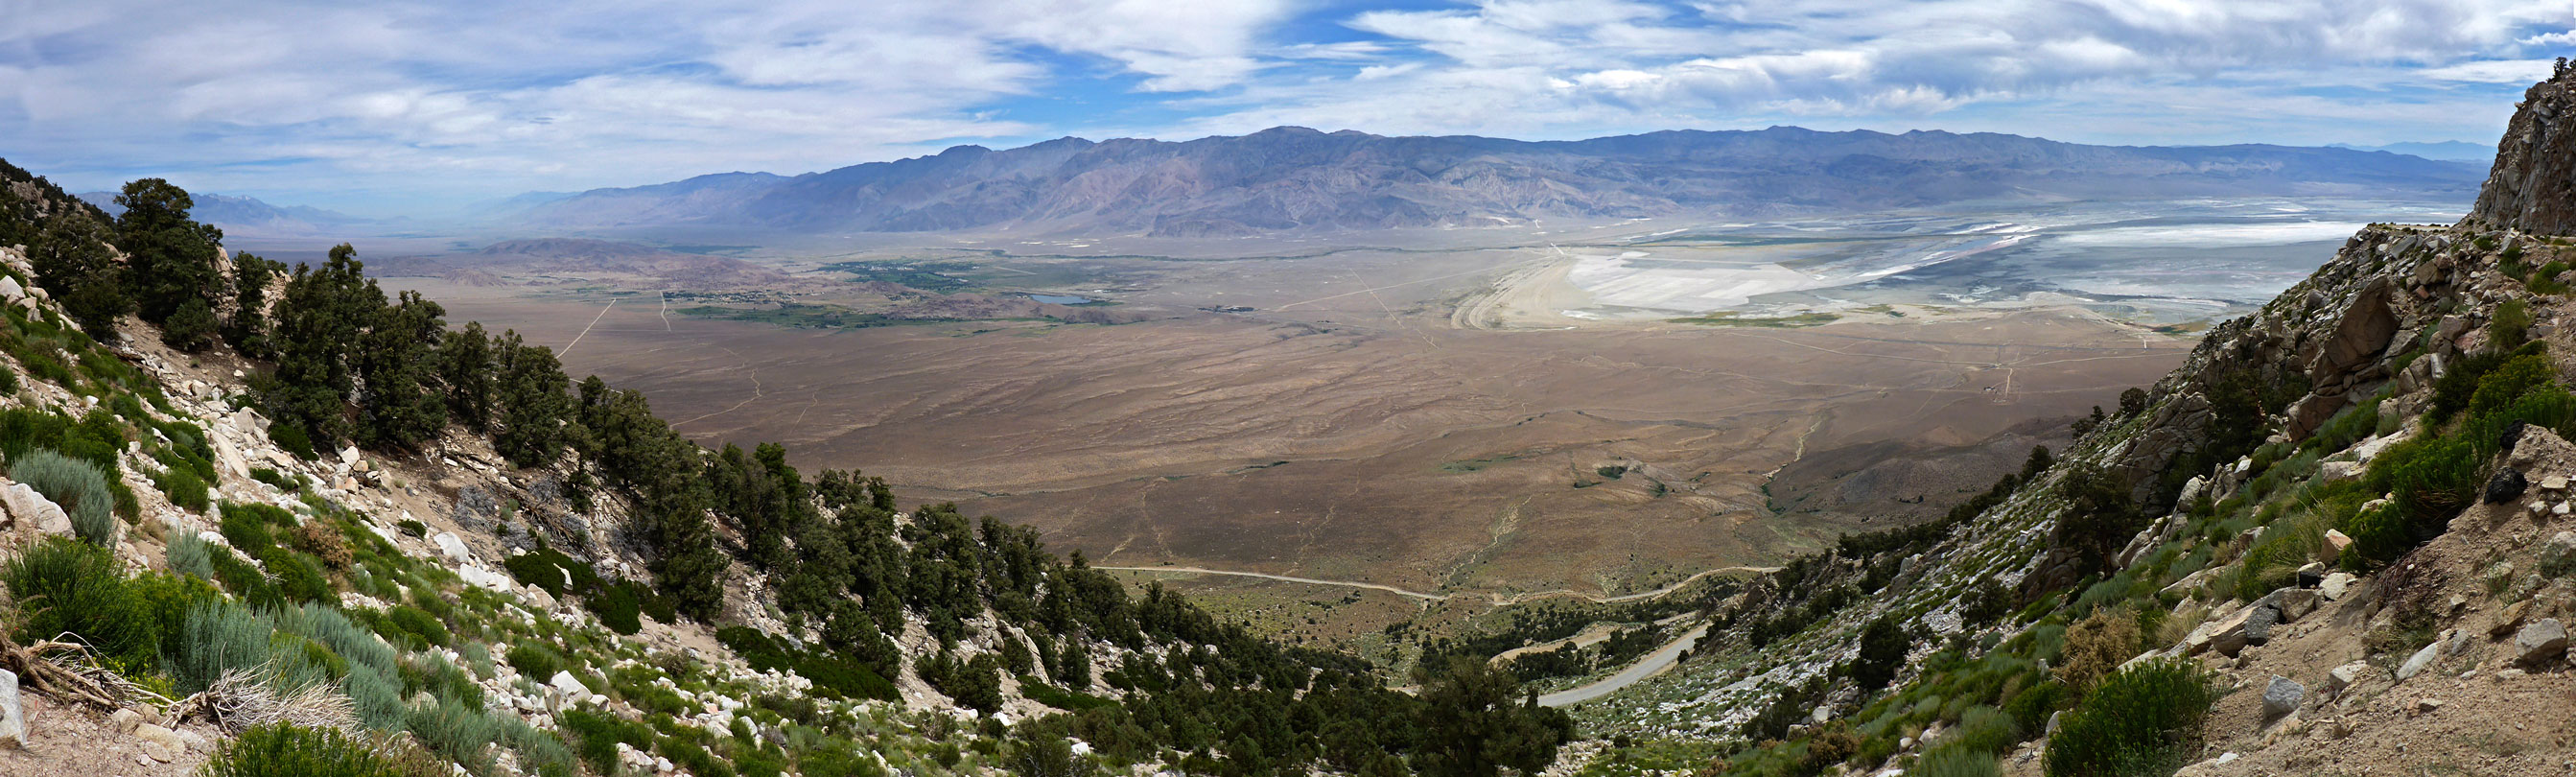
(387, 108)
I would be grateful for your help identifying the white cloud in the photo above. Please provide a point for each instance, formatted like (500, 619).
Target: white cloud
(469, 100)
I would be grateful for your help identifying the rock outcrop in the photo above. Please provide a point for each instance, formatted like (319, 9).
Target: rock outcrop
(2532, 187)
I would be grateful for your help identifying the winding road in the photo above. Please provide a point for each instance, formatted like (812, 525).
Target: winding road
(1497, 600)
(1653, 664)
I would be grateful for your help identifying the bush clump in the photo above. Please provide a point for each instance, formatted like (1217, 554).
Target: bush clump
(75, 485)
(65, 586)
(284, 750)
(419, 623)
(184, 488)
(2145, 719)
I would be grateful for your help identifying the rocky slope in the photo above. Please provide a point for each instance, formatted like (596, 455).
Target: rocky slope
(2347, 517)
(1297, 179)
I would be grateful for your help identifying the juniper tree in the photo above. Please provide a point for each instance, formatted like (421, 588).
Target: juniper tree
(73, 263)
(321, 316)
(248, 327)
(173, 257)
(535, 402)
(401, 405)
(465, 365)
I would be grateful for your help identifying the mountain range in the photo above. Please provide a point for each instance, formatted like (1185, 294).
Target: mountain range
(249, 216)
(1293, 179)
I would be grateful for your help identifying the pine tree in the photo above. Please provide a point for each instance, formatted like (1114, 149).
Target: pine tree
(73, 263)
(535, 402)
(248, 327)
(320, 318)
(401, 405)
(1474, 727)
(465, 366)
(173, 257)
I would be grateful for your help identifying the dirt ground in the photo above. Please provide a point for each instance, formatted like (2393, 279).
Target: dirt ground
(77, 742)
(1350, 427)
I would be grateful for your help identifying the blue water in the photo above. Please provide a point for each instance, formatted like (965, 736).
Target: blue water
(1060, 299)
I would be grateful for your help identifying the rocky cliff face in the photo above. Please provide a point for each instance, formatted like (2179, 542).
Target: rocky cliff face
(2533, 185)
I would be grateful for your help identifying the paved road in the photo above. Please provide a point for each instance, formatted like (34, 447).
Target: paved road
(1653, 664)
(1287, 579)
(1497, 599)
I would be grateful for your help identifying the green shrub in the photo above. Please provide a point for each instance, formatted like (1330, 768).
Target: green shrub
(292, 439)
(282, 481)
(284, 750)
(77, 486)
(617, 608)
(183, 487)
(456, 731)
(413, 527)
(534, 662)
(2031, 707)
(376, 696)
(419, 623)
(1956, 762)
(65, 586)
(2142, 720)
(1039, 691)
(221, 637)
(595, 736)
(299, 578)
(830, 672)
(242, 579)
(252, 528)
(188, 556)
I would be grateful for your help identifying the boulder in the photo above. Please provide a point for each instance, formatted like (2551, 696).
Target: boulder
(2282, 697)
(2335, 542)
(2427, 705)
(13, 718)
(453, 547)
(2558, 555)
(2230, 635)
(2334, 586)
(568, 685)
(2335, 471)
(2416, 664)
(167, 739)
(2292, 603)
(10, 290)
(31, 508)
(2540, 642)
(2342, 677)
(2506, 485)
(2367, 325)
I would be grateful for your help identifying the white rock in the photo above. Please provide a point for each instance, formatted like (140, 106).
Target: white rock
(10, 290)
(2334, 586)
(349, 456)
(453, 547)
(2344, 676)
(476, 575)
(2554, 483)
(2416, 664)
(31, 508)
(13, 718)
(568, 685)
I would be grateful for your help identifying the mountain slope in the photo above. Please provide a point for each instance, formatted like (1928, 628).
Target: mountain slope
(1297, 179)
(2334, 542)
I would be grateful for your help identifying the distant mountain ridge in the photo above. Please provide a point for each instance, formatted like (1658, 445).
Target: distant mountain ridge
(1293, 179)
(249, 216)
